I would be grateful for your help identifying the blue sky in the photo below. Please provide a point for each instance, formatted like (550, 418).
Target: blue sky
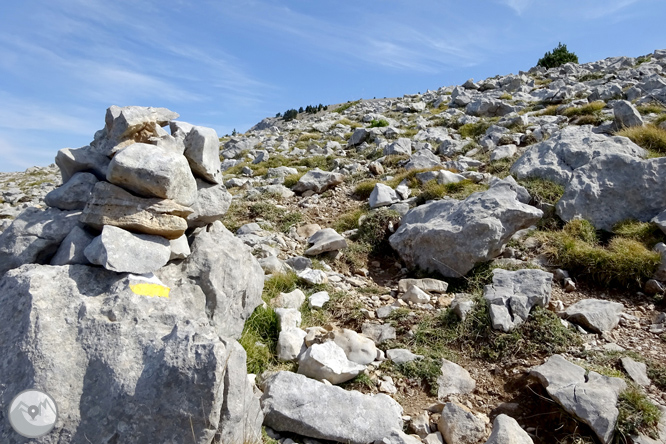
(228, 64)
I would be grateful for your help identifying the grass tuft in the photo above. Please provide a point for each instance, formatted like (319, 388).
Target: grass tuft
(586, 110)
(542, 190)
(623, 261)
(650, 137)
(378, 123)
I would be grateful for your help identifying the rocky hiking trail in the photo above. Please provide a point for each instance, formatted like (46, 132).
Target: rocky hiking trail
(479, 263)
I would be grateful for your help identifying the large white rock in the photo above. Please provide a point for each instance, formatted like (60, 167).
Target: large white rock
(615, 188)
(291, 344)
(325, 240)
(382, 195)
(358, 348)
(111, 357)
(231, 278)
(589, 396)
(71, 249)
(460, 426)
(111, 205)
(513, 294)
(454, 380)
(294, 403)
(73, 194)
(557, 158)
(328, 361)
(34, 236)
(85, 159)
(626, 115)
(506, 430)
(318, 181)
(202, 150)
(401, 147)
(153, 171)
(596, 315)
(212, 202)
(124, 252)
(451, 237)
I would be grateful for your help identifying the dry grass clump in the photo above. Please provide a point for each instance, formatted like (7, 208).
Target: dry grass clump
(623, 261)
(650, 137)
(585, 110)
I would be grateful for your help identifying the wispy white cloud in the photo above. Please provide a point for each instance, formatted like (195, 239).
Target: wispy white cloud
(383, 41)
(518, 6)
(21, 114)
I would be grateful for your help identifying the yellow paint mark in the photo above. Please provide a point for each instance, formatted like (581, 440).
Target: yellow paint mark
(150, 290)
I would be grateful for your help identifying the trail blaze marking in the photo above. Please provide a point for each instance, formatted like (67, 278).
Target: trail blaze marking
(148, 285)
(150, 290)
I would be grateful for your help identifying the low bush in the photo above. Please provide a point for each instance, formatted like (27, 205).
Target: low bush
(474, 130)
(637, 415)
(378, 123)
(292, 179)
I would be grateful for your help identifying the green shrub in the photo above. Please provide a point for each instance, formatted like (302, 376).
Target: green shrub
(374, 227)
(348, 221)
(650, 137)
(292, 179)
(559, 56)
(378, 123)
(474, 130)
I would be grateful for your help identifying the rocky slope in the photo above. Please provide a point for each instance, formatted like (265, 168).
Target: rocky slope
(479, 263)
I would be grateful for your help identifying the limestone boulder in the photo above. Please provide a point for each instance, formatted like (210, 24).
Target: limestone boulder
(325, 240)
(589, 396)
(153, 171)
(297, 404)
(212, 202)
(73, 194)
(615, 188)
(34, 236)
(111, 205)
(513, 294)
(318, 181)
(382, 195)
(202, 150)
(454, 380)
(124, 252)
(130, 124)
(71, 249)
(120, 363)
(85, 159)
(451, 236)
(595, 315)
(557, 158)
(626, 115)
(328, 361)
(229, 276)
(506, 430)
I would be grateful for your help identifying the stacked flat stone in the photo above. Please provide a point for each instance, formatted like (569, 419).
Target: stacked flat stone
(138, 188)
